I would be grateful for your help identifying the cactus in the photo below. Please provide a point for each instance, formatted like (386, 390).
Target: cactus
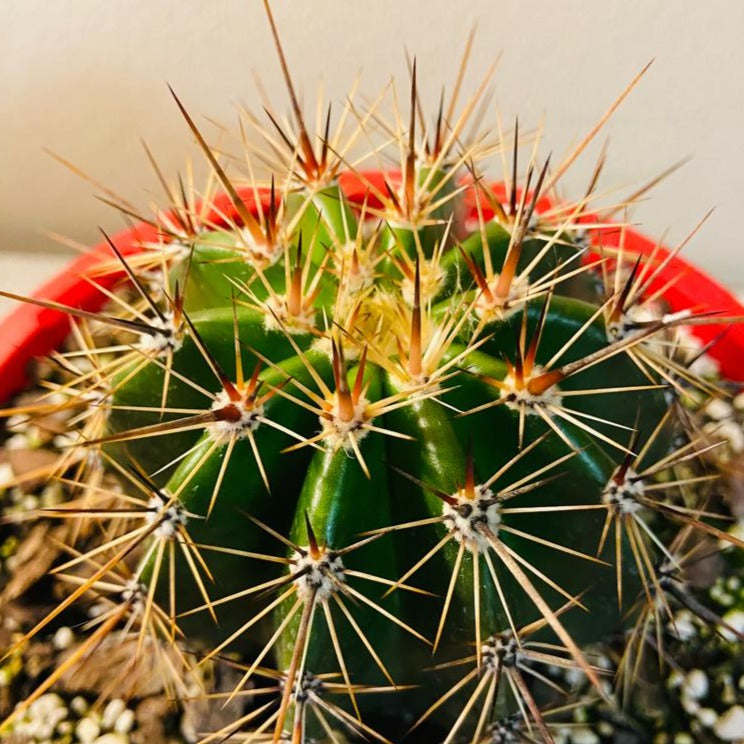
(396, 460)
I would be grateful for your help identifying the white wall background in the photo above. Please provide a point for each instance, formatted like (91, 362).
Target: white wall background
(86, 78)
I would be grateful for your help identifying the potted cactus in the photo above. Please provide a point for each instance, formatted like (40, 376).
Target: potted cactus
(399, 447)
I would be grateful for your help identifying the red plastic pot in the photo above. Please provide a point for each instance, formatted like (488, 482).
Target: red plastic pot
(31, 331)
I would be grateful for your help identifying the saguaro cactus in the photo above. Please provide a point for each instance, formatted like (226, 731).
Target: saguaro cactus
(412, 441)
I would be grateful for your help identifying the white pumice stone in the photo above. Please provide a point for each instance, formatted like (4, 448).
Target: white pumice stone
(16, 442)
(79, 705)
(718, 409)
(87, 730)
(30, 502)
(63, 638)
(733, 624)
(682, 738)
(44, 730)
(584, 736)
(730, 430)
(57, 716)
(111, 712)
(696, 684)
(675, 679)
(689, 705)
(683, 626)
(46, 704)
(124, 722)
(730, 725)
(112, 739)
(6, 475)
(707, 717)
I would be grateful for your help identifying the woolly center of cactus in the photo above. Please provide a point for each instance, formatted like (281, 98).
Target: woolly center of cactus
(236, 419)
(622, 491)
(318, 575)
(468, 513)
(175, 250)
(98, 410)
(431, 275)
(169, 516)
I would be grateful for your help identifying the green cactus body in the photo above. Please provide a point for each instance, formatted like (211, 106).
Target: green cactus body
(388, 457)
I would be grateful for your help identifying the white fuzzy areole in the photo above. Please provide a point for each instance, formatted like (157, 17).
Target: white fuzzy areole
(322, 577)
(262, 254)
(517, 399)
(623, 497)
(465, 518)
(491, 310)
(175, 516)
(499, 652)
(160, 343)
(249, 421)
(278, 317)
(338, 432)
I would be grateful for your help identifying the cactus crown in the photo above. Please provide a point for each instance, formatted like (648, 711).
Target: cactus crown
(357, 418)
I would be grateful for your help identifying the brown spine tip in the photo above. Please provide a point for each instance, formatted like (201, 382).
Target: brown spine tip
(470, 472)
(245, 215)
(622, 471)
(230, 413)
(343, 394)
(531, 354)
(477, 274)
(619, 307)
(270, 220)
(253, 383)
(513, 190)
(326, 136)
(359, 381)
(294, 293)
(312, 541)
(410, 169)
(544, 381)
(305, 144)
(178, 298)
